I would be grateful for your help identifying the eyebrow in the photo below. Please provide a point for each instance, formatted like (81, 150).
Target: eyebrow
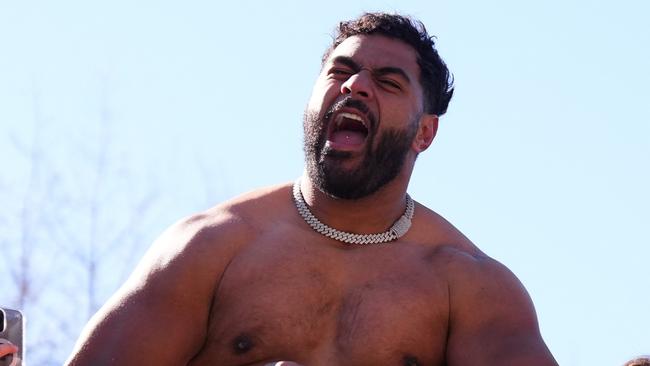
(349, 62)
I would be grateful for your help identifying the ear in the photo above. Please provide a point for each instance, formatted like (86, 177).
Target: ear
(426, 132)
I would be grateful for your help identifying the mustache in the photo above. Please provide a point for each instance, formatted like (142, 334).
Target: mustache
(348, 102)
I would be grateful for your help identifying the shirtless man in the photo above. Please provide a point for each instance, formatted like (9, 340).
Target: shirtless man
(274, 275)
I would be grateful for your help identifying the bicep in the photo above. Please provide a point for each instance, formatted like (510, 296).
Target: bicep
(493, 321)
(136, 328)
(160, 314)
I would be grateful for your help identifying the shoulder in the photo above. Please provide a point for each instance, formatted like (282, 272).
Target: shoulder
(166, 301)
(466, 267)
(471, 274)
(222, 230)
(206, 242)
(492, 319)
(443, 239)
(482, 287)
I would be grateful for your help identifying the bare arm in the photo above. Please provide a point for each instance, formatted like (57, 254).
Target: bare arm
(492, 319)
(160, 315)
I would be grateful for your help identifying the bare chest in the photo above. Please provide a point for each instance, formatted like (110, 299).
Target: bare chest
(324, 305)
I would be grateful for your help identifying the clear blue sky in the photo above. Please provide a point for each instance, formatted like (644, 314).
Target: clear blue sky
(542, 159)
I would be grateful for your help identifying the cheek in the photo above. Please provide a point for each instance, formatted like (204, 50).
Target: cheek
(322, 95)
(403, 112)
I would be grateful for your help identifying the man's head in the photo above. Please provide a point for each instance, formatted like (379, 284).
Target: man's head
(435, 78)
(374, 106)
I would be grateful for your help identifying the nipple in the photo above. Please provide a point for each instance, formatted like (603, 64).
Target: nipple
(410, 361)
(242, 344)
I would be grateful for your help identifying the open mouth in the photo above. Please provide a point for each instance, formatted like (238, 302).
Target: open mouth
(348, 129)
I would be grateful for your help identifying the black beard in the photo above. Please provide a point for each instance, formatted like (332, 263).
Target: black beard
(379, 166)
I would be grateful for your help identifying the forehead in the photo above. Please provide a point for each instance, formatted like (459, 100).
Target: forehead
(376, 51)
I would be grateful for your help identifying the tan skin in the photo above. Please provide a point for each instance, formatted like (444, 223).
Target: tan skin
(250, 283)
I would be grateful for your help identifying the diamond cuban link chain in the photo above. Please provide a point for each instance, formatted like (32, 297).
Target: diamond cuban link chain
(399, 228)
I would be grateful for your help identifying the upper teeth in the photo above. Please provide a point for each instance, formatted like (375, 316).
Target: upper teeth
(355, 117)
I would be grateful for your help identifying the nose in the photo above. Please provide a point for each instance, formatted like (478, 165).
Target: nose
(359, 85)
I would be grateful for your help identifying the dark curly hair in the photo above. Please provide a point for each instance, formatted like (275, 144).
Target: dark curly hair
(640, 361)
(437, 82)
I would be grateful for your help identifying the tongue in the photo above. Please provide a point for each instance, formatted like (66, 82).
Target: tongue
(348, 137)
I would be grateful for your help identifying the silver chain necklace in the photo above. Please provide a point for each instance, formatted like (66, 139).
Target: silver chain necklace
(399, 228)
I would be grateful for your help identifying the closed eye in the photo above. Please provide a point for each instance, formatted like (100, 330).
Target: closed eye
(393, 78)
(390, 83)
(340, 72)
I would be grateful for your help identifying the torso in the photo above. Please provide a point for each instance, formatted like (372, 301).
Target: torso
(292, 294)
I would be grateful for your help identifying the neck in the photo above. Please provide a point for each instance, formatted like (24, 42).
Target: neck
(368, 215)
